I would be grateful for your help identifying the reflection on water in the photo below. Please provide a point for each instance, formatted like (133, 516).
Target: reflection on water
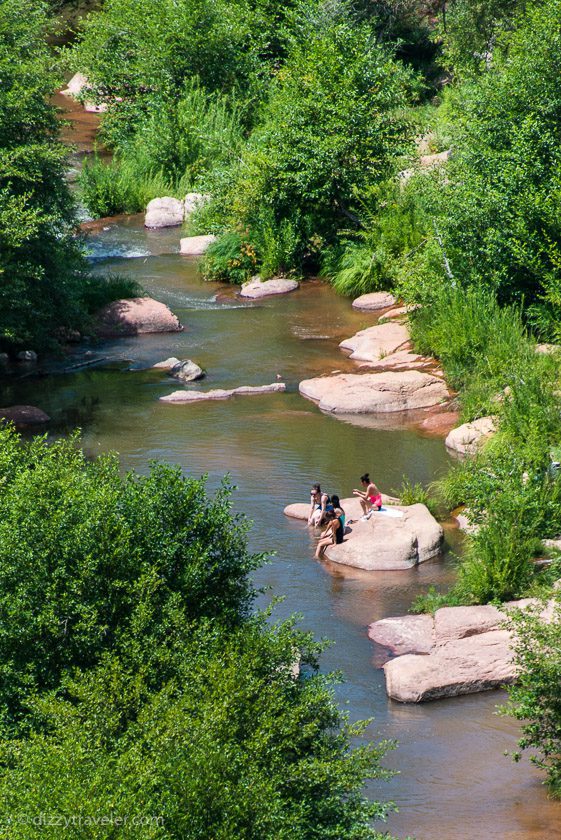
(454, 781)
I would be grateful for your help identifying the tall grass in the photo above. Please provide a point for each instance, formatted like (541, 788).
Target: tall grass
(481, 345)
(394, 225)
(173, 151)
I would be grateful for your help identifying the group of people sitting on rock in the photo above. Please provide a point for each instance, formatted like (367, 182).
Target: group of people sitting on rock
(327, 509)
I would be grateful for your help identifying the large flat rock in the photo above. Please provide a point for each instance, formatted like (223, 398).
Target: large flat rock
(373, 343)
(136, 316)
(467, 438)
(396, 538)
(390, 542)
(452, 623)
(464, 666)
(183, 397)
(374, 301)
(257, 288)
(384, 392)
(404, 633)
(461, 650)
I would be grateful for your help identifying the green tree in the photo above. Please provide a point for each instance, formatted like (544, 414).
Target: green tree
(41, 271)
(135, 680)
(233, 745)
(333, 127)
(87, 556)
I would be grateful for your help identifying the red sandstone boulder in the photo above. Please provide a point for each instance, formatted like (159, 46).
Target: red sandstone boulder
(221, 393)
(195, 246)
(349, 393)
(136, 316)
(164, 212)
(257, 288)
(373, 343)
(463, 666)
(374, 301)
(404, 633)
(466, 439)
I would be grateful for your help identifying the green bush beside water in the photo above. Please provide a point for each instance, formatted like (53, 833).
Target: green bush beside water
(136, 679)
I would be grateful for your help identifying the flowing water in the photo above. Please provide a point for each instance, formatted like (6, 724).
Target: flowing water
(453, 781)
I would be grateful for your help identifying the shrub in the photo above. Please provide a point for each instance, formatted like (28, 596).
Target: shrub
(232, 746)
(535, 700)
(88, 556)
(333, 126)
(41, 267)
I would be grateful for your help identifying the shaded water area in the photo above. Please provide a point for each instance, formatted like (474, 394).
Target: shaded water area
(453, 781)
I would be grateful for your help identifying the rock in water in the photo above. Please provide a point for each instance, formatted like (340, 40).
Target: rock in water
(373, 343)
(399, 539)
(75, 85)
(187, 371)
(167, 364)
(257, 288)
(404, 633)
(136, 316)
(465, 666)
(164, 212)
(195, 246)
(373, 301)
(352, 393)
(221, 394)
(385, 543)
(24, 415)
(27, 356)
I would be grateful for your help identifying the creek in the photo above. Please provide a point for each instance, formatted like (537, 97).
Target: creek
(453, 781)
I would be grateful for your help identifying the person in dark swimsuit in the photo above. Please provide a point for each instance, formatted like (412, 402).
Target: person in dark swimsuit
(332, 535)
(340, 514)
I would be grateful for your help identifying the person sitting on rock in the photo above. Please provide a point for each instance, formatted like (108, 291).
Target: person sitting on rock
(339, 512)
(333, 535)
(318, 505)
(370, 497)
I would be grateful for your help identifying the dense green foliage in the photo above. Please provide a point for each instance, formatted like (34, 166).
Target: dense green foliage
(535, 700)
(44, 285)
(40, 267)
(135, 680)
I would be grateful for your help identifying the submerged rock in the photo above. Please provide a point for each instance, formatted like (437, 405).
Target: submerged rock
(373, 301)
(136, 316)
(195, 246)
(373, 343)
(467, 438)
(24, 415)
(257, 288)
(164, 212)
(221, 394)
(351, 393)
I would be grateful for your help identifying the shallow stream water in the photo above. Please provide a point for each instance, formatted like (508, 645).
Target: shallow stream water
(453, 781)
